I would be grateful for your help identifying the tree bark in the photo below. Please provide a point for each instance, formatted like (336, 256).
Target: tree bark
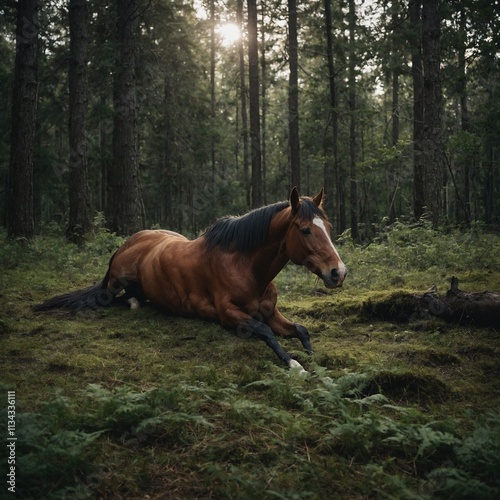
(331, 175)
(333, 183)
(244, 112)
(125, 204)
(418, 108)
(394, 164)
(253, 75)
(293, 95)
(212, 90)
(464, 113)
(263, 87)
(19, 206)
(352, 123)
(80, 212)
(168, 167)
(433, 147)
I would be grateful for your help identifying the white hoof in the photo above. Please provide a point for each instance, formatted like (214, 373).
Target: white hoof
(133, 303)
(295, 365)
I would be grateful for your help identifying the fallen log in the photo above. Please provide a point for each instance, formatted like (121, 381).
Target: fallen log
(457, 306)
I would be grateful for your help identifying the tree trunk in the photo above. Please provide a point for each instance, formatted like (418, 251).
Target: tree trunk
(418, 108)
(293, 95)
(352, 124)
(80, 212)
(125, 205)
(333, 183)
(263, 65)
(394, 164)
(19, 206)
(490, 177)
(103, 158)
(331, 175)
(433, 135)
(244, 113)
(212, 90)
(253, 75)
(168, 173)
(464, 113)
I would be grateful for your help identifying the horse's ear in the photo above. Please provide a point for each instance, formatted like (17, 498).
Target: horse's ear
(319, 197)
(295, 200)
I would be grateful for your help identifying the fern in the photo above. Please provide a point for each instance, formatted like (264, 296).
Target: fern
(52, 451)
(475, 464)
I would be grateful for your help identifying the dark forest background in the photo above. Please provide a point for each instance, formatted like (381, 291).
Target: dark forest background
(140, 113)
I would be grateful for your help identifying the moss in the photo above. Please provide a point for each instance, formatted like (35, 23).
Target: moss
(398, 306)
(408, 386)
(431, 357)
(269, 430)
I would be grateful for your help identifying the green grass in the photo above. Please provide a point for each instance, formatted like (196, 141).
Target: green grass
(135, 403)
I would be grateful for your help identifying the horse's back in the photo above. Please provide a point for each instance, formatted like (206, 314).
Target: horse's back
(151, 237)
(161, 262)
(141, 250)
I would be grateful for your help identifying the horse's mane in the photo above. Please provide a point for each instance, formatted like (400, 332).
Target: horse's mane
(247, 232)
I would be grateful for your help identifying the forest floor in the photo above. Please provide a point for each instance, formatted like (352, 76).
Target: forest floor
(135, 404)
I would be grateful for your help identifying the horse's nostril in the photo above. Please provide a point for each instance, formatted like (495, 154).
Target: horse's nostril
(334, 274)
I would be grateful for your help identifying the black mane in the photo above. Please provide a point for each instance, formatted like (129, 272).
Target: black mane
(247, 232)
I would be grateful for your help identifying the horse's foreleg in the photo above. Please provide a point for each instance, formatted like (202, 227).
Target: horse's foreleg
(245, 325)
(286, 328)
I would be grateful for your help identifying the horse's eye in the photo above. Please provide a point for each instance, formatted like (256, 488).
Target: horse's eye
(306, 230)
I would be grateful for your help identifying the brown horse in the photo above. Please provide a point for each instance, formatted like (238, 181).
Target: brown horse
(225, 275)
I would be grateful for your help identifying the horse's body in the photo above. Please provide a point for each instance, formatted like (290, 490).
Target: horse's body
(225, 275)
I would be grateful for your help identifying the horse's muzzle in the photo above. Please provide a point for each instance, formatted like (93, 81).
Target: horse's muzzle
(335, 277)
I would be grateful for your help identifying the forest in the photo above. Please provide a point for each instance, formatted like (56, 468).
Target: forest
(172, 113)
(121, 115)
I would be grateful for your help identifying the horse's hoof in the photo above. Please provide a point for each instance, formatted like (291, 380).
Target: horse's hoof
(297, 367)
(134, 303)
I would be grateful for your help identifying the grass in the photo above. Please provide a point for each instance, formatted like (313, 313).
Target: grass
(119, 403)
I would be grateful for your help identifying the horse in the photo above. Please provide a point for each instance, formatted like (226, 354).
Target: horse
(226, 274)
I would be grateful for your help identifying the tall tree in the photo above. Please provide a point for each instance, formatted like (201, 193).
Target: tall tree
(253, 77)
(395, 69)
(352, 121)
(79, 192)
(464, 109)
(333, 184)
(19, 206)
(212, 89)
(433, 107)
(418, 107)
(263, 88)
(293, 95)
(243, 97)
(125, 204)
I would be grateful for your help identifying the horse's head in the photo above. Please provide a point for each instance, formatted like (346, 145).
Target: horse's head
(308, 240)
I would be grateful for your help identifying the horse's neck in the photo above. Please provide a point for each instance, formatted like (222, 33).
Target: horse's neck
(271, 258)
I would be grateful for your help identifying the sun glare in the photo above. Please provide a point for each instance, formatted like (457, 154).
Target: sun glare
(229, 33)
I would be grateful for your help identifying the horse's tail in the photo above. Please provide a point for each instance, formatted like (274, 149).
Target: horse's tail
(91, 297)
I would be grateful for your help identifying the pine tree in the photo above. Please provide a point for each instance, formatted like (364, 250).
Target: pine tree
(253, 74)
(293, 95)
(19, 207)
(80, 215)
(125, 204)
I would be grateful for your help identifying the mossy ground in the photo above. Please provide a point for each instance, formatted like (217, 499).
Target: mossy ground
(179, 408)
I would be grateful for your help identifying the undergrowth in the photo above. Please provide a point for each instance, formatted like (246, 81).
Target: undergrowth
(232, 434)
(121, 404)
